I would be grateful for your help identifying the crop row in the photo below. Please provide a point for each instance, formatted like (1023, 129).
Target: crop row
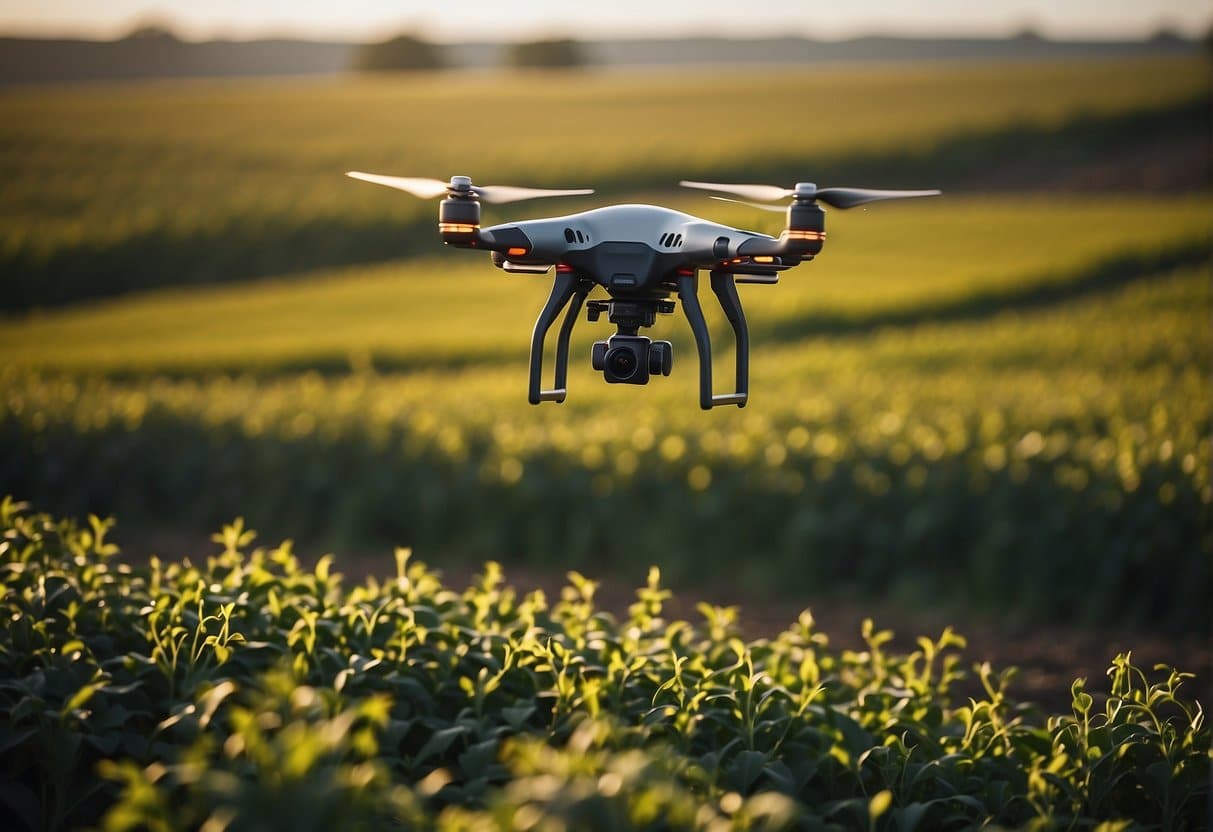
(242, 691)
(1054, 463)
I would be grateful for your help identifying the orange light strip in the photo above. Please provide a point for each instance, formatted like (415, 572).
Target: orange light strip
(456, 228)
(763, 259)
(806, 235)
(516, 251)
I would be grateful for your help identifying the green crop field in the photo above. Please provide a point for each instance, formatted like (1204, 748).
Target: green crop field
(996, 400)
(995, 404)
(890, 263)
(249, 692)
(154, 184)
(911, 406)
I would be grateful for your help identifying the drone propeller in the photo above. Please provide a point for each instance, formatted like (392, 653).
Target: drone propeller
(764, 193)
(837, 197)
(778, 209)
(430, 188)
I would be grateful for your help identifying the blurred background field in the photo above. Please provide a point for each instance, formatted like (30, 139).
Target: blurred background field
(996, 402)
(112, 188)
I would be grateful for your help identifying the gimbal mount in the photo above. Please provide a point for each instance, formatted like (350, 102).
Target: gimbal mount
(630, 314)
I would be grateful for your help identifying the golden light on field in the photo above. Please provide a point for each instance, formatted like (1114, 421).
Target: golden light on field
(952, 383)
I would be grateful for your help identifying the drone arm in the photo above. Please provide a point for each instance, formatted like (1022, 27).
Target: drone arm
(567, 287)
(509, 240)
(722, 284)
(762, 247)
(504, 238)
(792, 243)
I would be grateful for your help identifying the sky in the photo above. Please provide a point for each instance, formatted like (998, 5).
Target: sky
(514, 19)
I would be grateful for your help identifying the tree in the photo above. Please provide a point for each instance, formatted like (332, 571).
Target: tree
(403, 52)
(554, 53)
(151, 29)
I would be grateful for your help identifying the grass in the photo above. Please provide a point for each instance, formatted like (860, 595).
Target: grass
(246, 691)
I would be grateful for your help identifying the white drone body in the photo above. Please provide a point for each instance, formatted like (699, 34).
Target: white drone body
(641, 255)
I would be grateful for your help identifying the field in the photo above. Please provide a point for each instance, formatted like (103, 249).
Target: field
(159, 184)
(956, 390)
(249, 692)
(889, 265)
(922, 426)
(994, 405)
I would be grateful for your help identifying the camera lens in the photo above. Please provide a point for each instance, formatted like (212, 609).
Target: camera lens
(621, 362)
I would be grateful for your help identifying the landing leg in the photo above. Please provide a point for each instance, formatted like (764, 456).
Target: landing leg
(565, 288)
(726, 292)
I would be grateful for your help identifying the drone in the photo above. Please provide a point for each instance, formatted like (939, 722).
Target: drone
(641, 255)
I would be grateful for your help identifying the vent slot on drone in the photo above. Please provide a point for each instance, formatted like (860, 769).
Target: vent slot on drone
(671, 240)
(575, 236)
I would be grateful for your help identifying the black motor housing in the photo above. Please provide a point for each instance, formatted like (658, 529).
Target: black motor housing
(806, 227)
(458, 219)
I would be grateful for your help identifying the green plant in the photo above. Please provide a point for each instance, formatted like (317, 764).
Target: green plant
(400, 701)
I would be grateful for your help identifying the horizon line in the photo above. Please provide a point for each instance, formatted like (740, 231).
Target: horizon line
(280, 34)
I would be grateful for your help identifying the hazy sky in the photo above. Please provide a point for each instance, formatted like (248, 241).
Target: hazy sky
(478, 19)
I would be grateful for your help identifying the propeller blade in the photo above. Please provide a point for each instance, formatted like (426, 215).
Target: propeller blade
(762, 193)
(498, 194)
(424, 188)
(850, 197)
(778, 209)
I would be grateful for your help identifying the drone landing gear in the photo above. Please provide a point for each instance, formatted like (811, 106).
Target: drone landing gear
(726, 292)
(567, 287)
(570, 290)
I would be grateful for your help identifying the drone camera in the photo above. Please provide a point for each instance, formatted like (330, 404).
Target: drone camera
(632, 359)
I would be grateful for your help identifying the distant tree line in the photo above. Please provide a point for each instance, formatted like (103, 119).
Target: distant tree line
(403, 52)
(151, 49)
(407, 52)
(545, 54)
